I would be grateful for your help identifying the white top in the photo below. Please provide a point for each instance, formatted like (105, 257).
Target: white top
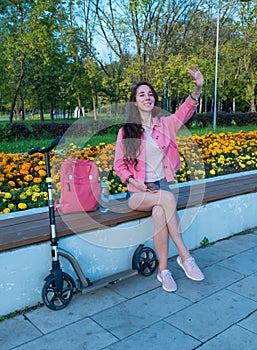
(153, 168)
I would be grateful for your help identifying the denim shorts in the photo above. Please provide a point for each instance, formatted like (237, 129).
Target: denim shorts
(162, 184)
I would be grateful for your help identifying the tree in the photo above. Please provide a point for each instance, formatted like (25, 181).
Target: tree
(247, 47)
(15, 48)
(50, 58)
(31, 49)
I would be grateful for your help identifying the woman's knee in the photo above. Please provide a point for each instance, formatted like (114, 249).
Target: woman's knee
(168, 198)
(158, 213)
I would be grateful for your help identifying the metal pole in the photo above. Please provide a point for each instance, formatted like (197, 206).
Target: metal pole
(216, 69)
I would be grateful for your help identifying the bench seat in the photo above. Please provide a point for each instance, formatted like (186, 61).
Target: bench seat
(33, 228)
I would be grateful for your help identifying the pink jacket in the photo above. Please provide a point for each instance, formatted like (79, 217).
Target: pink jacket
(164, 133)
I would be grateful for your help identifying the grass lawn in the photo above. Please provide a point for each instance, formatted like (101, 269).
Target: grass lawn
(26, 145)
(222, 129)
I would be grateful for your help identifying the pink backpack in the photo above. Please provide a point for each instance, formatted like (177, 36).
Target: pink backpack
(80, 187)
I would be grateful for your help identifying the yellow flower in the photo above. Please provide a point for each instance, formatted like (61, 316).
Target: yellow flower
(44, 195)
(7, 195)
(11, 206)
(6, 210)
(22, 206)
(212, 172)
(35, 188)
(28, 178)
(23, 196)
(35, 196)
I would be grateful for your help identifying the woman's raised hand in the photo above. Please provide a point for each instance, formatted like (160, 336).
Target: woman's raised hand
(196, 75)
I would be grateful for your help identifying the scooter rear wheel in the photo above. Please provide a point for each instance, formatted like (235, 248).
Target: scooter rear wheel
(56, 299)
(145, 260)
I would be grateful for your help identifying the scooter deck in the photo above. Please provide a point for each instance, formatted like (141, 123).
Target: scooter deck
(109, 280)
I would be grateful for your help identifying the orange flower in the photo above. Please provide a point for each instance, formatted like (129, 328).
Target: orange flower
(37, 180)
(42, 173)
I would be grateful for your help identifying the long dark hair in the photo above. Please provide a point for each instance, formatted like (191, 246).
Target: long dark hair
(133, 129)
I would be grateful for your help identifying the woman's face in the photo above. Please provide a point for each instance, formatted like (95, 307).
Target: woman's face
(144, 99)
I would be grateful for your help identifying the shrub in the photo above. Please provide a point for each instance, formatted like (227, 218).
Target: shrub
(19, 131)
(49, 129)
(223, 119)
(6, 133)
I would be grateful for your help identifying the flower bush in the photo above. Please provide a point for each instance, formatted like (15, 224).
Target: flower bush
(228, 153)
(22, 176)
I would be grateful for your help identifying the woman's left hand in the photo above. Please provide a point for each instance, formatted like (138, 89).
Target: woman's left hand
(196, 75)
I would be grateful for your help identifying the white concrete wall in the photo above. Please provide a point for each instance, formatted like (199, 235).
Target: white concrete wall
(105, 252)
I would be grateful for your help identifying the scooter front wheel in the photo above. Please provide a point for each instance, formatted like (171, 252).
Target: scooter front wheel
(56, 299)
(145, 260)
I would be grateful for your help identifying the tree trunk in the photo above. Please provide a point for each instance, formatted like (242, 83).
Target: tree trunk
(23, 112)
(201, 105)
(12, 108)
(80, 111)
(22, 74)
(234, 105)
(52, 112)
(251, 91)
(41, 112)
(94, 107)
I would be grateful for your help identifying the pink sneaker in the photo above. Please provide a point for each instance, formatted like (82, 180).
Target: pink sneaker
(191, 269)
(168, 283)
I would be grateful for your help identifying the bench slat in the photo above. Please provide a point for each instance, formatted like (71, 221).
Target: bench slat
(34, 228)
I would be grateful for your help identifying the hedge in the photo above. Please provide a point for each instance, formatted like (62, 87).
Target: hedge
(223, 119)
(42, 130)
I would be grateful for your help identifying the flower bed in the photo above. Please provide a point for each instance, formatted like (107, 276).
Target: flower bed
(22, 177)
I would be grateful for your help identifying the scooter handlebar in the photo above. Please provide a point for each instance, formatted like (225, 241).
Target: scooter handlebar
(58, 140)
(35, 150)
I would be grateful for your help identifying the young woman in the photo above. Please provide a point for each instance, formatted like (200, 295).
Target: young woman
(146, 159)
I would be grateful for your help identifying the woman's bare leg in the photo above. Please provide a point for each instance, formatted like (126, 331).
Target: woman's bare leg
(161, 236)
(147, 201)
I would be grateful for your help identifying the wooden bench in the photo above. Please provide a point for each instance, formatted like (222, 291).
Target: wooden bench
(30, 229)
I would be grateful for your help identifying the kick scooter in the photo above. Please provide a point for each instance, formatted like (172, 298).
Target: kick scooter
(59, 286)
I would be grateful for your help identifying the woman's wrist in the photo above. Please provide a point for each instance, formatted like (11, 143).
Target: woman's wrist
(129, 178)
(195, 94)
(197, 90)
(132, 181)
(194, 97)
